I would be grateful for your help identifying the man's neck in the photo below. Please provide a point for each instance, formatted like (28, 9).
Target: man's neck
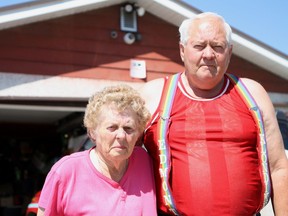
(199, 92)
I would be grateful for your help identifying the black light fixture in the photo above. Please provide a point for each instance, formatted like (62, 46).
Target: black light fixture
(113, 34)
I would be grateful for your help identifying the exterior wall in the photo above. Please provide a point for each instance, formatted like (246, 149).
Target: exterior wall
(80, 46)
(271, 82)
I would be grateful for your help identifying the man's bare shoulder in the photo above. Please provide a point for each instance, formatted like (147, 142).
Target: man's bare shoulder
(259, 93)
(252, 84)
(256, 90)
(151, 92)
(151, 86)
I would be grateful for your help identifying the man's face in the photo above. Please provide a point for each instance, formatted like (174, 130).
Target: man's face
(207, 54)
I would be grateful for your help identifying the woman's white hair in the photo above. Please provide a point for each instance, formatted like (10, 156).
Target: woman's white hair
(186, 24)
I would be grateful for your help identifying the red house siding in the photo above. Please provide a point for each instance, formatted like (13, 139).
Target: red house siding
(80, 46)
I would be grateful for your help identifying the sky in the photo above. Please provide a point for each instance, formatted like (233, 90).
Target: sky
(4, 3)
(264, 20)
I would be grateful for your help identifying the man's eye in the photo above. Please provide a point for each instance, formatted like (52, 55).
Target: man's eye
(198, 47)
(218, 48)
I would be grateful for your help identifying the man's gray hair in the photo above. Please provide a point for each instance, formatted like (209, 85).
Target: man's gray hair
(186, 24)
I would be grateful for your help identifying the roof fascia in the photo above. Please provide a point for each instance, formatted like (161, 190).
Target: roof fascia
(173, 12)
(47, 10)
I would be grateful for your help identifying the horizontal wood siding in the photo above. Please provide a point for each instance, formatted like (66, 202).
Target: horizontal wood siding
(81, 46)
(269, 81)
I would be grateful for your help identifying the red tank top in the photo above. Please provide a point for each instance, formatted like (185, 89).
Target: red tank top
(215, 165)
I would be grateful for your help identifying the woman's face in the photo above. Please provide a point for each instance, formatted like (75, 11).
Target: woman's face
(116, 133)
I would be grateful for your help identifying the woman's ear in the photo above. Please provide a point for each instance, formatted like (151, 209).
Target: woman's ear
(91, 135)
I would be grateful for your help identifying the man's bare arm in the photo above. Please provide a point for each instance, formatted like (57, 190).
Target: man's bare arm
(278, 162)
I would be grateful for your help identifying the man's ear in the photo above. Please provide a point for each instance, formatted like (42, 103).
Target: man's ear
(230, 50)
(181, 49)
(230, 54)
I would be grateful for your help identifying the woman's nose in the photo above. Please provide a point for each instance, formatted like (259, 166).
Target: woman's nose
(121, 133)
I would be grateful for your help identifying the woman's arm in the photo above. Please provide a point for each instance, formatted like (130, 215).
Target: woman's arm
(40, 211)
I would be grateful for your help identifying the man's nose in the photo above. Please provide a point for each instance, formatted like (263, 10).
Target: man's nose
(208, 52)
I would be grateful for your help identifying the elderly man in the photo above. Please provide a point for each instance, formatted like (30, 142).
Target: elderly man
(213, 137)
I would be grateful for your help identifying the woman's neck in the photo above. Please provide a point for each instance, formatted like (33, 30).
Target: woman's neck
(113, 170)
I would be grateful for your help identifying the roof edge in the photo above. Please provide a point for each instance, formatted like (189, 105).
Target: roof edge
(173, 12)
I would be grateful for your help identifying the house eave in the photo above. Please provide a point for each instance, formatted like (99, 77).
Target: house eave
(173, 12)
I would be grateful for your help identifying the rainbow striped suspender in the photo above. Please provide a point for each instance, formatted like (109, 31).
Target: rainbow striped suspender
(164, 149)
(262, 145)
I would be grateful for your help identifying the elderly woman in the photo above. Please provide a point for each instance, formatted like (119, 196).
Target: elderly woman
(115, 177)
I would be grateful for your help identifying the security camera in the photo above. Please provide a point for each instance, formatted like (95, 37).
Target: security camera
(129, 38)
(128, 8)
(114, 34)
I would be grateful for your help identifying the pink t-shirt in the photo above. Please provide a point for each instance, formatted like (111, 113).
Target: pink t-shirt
(75, 187)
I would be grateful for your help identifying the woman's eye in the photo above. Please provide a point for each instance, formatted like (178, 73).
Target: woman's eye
(111, 128)
(129, 130)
